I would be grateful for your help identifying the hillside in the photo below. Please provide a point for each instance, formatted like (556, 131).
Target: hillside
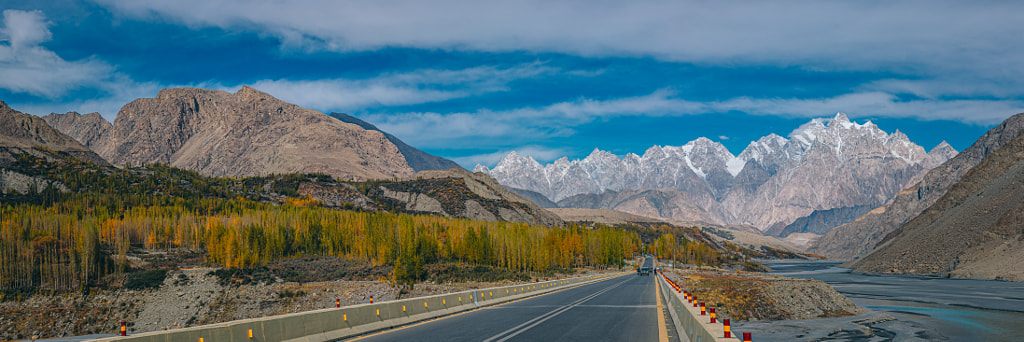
(667, 203)
(859, 237)
(975, 230)
(417, 160)
(247, 133)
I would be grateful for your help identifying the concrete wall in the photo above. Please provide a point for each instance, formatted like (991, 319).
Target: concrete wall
(688, 319)
(338, 323)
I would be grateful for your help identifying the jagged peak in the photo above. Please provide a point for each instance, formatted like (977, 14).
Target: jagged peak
(840, 117)
(598, 153)
(898, 135)
(943, 147)
(481, 168)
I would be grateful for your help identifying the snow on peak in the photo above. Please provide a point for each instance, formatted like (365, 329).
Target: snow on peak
(842, 120)
(735, 165)
(481, 168)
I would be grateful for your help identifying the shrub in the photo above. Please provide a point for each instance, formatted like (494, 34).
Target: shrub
(145, 280)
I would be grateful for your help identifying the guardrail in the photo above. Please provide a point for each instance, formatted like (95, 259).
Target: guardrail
(692, 319)
(338, 323)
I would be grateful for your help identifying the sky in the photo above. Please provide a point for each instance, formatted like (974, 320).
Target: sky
(473, 80)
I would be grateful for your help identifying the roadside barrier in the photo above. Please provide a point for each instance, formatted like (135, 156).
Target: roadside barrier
(339, 323)
(687, 319)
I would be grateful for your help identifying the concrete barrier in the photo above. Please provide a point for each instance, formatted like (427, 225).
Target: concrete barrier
(688, 319)
(348, 321)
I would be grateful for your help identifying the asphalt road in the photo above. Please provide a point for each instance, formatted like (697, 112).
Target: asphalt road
(618, 309)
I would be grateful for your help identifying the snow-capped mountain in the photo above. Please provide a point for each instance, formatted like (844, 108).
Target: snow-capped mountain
(824, 164)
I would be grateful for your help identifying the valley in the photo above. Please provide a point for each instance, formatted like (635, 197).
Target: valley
(169, 244)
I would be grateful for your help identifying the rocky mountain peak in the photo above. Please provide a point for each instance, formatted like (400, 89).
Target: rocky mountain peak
(842, 120)
(943, 150)
(245, 133)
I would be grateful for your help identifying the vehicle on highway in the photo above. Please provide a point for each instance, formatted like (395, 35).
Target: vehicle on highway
(646, 268)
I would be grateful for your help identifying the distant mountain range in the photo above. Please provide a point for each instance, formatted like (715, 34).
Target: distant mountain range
(243, 134)
(823, 165)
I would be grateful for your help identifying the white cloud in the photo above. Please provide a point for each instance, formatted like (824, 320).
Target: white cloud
(916, 36)
(27, 67)
(723, 137)
(395, 89)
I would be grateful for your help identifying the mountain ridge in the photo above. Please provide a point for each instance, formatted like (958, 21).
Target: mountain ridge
(417, 159)
(769, 182)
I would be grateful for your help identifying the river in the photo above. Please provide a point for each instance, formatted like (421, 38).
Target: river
(960, 309)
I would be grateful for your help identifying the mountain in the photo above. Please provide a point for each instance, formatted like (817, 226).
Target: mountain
(824, 164)
(242, 134)
(90, 129)
(819, 222)
(534, 197)
(23, 135)
(24, 132)
(975, 230)
(417, 160)
(857, 238)
(667, 203)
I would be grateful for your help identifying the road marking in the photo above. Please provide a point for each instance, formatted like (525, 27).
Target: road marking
(519, 329)
(662, 331)
(357, 338)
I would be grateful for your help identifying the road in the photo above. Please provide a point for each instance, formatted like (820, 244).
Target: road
(618, 309)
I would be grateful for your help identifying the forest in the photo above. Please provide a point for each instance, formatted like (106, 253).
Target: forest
(68, 240)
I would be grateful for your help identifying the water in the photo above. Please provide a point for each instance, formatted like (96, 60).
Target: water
(961, 309)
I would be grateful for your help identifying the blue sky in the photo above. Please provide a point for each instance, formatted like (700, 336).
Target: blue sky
(472, 80)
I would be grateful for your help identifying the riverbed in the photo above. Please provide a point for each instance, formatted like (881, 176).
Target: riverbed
(959, 309)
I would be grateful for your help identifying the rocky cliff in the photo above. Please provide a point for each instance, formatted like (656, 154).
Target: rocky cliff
(974, 230)
(825, 164)
(856, 238)
(242, 134)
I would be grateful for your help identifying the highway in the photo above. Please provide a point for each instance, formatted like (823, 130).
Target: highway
(618, 309)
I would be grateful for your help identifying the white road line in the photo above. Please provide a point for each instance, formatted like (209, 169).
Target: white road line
(516, 330)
